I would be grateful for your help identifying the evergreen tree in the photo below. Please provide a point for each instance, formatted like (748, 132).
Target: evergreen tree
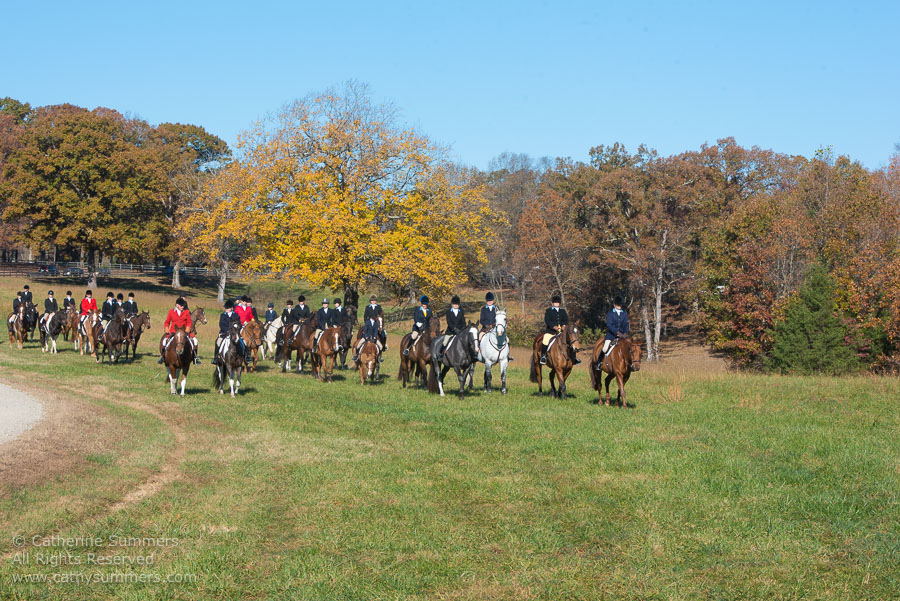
(811, 338)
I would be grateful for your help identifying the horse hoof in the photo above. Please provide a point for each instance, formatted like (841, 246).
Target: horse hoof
(221, 392)
(503, 391)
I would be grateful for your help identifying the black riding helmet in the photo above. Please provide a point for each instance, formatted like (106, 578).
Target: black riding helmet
(556, 298)
(181, 302)
(120, 296)
(618, 301)
(301, 298)
(229, 304)
(424, 300)
(454, 300)
(337, 301)
(489, 296)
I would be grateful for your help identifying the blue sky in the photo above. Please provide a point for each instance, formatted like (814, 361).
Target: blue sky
(543, 78)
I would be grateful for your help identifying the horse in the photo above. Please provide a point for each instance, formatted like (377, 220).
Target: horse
(31, 319)
(559, 360)
(328, 347)
(367, 362)
(198, 317)
(460, 353)
(297, 337)
(113, 336)
(16, 324)
(70, 323)
(270, 336)
(347, 334)
(50, 332)
(494, 349)
(229, 361)
(88, 329)
(419, 354)
(252, 335)
(178, 358)
(623, 358)
(136, 326)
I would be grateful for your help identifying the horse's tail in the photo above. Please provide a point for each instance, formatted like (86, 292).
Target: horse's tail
(591, 368)
(432, 378)
(216, 381)
(533, 375)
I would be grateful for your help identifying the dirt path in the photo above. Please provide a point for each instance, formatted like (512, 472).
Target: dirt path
(19, 411)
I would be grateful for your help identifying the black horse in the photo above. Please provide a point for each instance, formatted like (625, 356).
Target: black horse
(347, 334)
(31, 319)
(460, 353)
(230, 361)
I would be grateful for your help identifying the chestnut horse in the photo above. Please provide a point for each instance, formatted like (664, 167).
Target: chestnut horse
(251, 333)
(296, 338)
(419, 355)
(178, 358)
(560, 360)
(367, 362)
(624, 358)
(70, 323)
(328, 347)
(16, 324)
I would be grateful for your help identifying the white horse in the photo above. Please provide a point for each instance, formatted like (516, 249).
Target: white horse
(270, 337)
(494, 348)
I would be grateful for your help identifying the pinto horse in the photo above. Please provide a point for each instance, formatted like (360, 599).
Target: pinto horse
(328, 347)
(179, 357)
(416, 363)
(88, 330)
(623, 358)
(251, 333)
(16, 324)
(230, 361)
(50, 331)
(136, 326)
(560, 360)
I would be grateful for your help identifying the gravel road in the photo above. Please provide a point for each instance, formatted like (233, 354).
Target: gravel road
(18, 412)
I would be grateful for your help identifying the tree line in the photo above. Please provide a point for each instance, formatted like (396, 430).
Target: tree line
(335, 190)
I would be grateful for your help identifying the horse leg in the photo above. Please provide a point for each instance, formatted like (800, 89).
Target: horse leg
(621, 381)
(171, 371)
(487, 374)
(561, 378)
(607, 381)
(552, 377)
(503, 364)
(462, 376)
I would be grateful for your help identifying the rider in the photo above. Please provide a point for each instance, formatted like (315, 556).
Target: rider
(289, 315)
(120, 300)
(51, 307)
(456, 319)
(16, 303)
(243, 311)
(554, 319)
(69, 301)
(252, 309)
(616, 324)
(339, 312)
(88, 304)
(108, 310)
(130, 307)
(301, 310)
(421, 323)
(373, 310)
(488, 317)
(325, 318)
(179, 317)
(271, 315)
(26, 295)
(227, 318)
(370, 333)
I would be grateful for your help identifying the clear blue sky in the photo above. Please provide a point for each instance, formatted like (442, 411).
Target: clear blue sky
(543, 78)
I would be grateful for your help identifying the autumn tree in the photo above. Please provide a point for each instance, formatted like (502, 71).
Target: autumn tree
(183, 157)
(80, 178)
(334, 191)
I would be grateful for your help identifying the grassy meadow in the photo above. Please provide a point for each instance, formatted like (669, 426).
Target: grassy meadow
(715, 485)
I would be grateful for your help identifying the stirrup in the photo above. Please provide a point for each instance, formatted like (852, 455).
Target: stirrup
(161, 360)
(543, 359)
(406, 353)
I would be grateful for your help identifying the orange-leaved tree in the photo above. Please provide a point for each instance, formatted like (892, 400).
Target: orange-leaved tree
(333, 191)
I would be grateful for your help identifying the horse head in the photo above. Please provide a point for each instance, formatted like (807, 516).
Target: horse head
(635, 355)
(235, 333)
(573, 335)
(180, 342)
(472, 339)
(199, 316)
(144, 320)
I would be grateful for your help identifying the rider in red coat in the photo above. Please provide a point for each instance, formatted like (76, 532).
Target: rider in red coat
(178, 318)
(88, 303)
(243, 310)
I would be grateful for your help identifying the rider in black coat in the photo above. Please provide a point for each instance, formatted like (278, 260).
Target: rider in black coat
(225, 320)
(555, 317)
(130, 307)
(301, 311)
(456, 319)
(69, 301)
(26, 294)
(374, 310)
(421, 322)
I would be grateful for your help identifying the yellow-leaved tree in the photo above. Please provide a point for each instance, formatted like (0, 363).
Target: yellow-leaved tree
(333, 191)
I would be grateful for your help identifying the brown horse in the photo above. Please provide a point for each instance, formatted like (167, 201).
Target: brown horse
(297, 338)
(198, 317)
(624, 358)
(328, 347)
(560, 360)
(112, 338)
(88, 330)
(136, 326)
(251, 333)
(70, 323)
(178, 358)
(419, 357)
(16, 325)
(367, 362)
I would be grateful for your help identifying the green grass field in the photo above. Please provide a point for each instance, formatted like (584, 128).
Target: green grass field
(714, 486)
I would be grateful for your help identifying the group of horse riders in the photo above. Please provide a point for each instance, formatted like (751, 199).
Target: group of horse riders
(88, 303)
(555, 318)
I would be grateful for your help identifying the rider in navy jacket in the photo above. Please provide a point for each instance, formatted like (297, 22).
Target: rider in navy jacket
(488, 317)
(421, 322)
(616, 323)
